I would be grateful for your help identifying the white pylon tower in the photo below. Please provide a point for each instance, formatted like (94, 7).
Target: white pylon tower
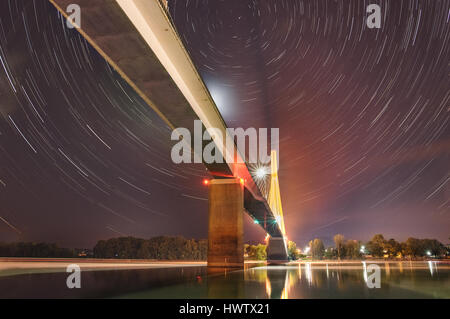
(274, 193)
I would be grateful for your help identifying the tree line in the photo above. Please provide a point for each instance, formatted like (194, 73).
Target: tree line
(259, 252)
(412, 247)
(180, 248)
(35, 250)
(377, 247)
(161, 247)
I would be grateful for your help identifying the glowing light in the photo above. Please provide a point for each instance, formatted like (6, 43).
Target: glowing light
(268, 287)
(261, 172)
(277, 220)
(274, 199)
(242, 181)
(256, 221)
(429, 253)
(206, 182)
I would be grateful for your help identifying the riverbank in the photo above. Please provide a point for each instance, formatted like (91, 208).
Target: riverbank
(17, 266)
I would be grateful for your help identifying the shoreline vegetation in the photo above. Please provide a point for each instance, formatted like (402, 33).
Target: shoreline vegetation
(177, 248)
(201, 262)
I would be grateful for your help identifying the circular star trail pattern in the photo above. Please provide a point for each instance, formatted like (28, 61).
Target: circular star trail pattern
(83, 158)
(363, 117)
(363, 113)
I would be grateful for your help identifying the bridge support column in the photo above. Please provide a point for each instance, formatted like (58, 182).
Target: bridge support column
(277, 251)
(226, 229)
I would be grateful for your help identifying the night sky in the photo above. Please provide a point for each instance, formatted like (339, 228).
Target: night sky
(363, 117)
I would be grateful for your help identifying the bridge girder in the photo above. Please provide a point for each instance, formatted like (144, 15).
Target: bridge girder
(178, 99)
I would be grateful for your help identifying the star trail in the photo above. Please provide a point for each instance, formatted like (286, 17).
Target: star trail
(363, 117)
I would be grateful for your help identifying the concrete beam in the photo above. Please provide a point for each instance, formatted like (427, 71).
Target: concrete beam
(140, 43)
(226, 228)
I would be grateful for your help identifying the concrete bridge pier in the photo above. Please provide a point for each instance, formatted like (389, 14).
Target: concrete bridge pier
(277, 251)
(226, 229)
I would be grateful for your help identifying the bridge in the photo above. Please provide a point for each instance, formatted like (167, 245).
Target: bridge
(139, 40)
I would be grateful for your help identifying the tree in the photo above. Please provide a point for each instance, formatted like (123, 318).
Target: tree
(330, 253)
(261, 253)
(376, 245)
(352, 249)
(292, 250)
(433, 246)
(318, 249)
(339, 242)
(143, 251)
(256, 252)
(393, 247)
(413, 247)
(404, 249)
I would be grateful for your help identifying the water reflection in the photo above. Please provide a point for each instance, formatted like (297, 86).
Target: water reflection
(219, 286)
(388, 269)
(432, 265)
(376, 280)
(278, 280)
(296, 280)
(364, 271)
(308, 273)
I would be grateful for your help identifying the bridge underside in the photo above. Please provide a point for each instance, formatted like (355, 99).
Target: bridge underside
(109, 30)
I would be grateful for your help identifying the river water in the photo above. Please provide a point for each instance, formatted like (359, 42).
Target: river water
(304, 280)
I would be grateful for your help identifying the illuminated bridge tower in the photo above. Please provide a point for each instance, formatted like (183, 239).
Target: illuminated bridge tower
(276, 249)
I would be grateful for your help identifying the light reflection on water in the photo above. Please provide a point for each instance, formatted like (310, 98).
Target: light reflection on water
(331, 280)
(319, 280)
(296, 280)
(393, 281)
